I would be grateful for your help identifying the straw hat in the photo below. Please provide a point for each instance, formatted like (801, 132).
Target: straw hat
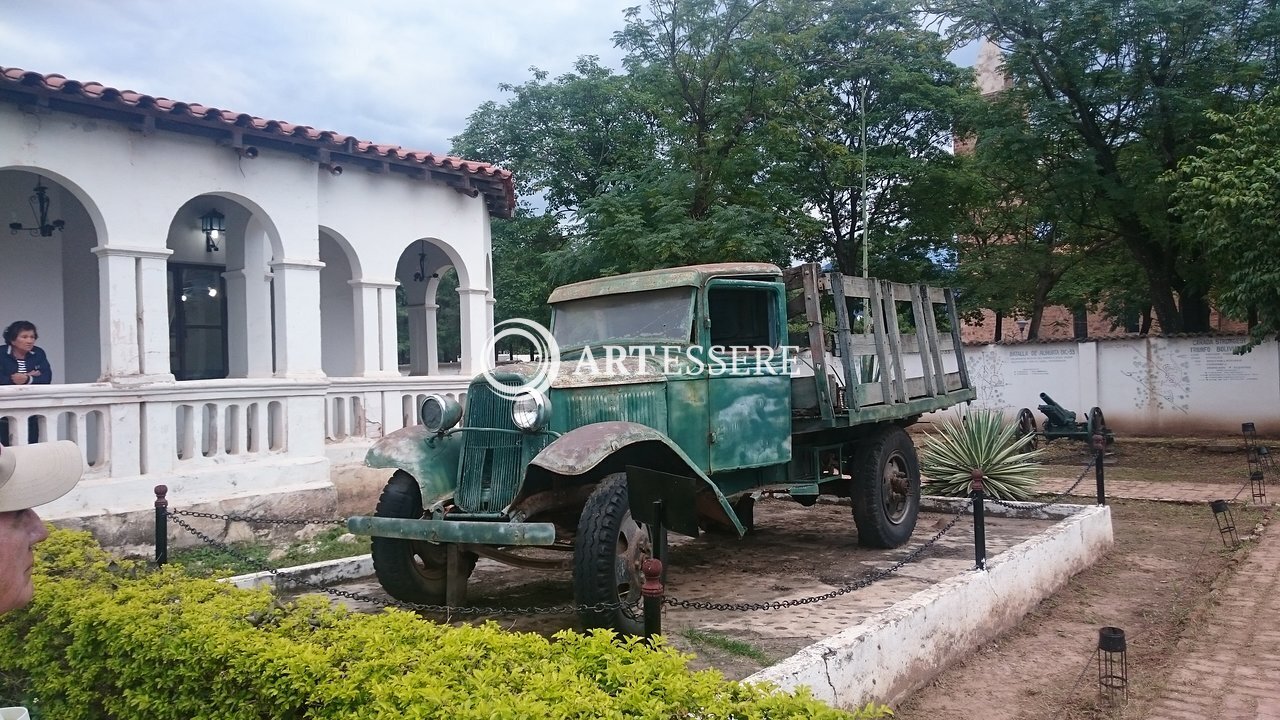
(32, 475)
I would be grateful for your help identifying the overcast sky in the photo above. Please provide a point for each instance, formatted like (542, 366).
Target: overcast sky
(403, 72)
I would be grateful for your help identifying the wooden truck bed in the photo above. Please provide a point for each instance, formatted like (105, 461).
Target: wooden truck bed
(875, 351)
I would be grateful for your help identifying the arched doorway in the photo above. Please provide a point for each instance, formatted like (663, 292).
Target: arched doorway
(49, 274)
(220, 292)
(427, 309)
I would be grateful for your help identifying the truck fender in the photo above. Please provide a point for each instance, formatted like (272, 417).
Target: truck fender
(431, 459)
(603, 448)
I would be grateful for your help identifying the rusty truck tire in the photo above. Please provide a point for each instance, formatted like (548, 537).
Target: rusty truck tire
(410, 570)
(886, 489)
(607, 553)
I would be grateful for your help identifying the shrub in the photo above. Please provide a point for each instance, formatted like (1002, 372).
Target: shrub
(980, 440)
(112, 639)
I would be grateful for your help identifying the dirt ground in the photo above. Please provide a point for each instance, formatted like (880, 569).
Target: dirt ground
(794, 552)
(1154, 584)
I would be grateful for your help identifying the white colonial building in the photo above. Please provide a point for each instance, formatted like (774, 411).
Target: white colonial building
(217, 292)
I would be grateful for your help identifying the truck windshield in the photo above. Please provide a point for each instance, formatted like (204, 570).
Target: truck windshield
(651, 315)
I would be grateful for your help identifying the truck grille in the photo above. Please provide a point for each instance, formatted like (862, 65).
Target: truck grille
(492, 467)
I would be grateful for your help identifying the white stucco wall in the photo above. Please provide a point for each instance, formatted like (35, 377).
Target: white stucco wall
(1146, 386)
(132, 199)
(147, 191)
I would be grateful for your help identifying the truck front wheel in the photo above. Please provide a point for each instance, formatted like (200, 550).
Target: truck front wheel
(411, 571)
(886, 489)
(609, 549)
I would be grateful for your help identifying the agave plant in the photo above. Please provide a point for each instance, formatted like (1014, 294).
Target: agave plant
(980, 440)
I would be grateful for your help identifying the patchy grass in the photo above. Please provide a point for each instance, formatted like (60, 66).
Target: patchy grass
(207, 561)
(1216, 460)
(724, 643)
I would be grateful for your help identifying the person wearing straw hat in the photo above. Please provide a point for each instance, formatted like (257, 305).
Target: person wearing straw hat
(30, 475)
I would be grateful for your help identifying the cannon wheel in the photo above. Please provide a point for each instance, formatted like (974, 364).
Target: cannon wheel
(411, 570)
(886, 489)
(1027, 426)
(1098, 424)
(607, 555)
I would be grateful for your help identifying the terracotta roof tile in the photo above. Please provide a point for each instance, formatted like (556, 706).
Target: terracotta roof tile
(502, 196)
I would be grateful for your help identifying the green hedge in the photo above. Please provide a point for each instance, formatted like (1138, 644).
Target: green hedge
(111, 639)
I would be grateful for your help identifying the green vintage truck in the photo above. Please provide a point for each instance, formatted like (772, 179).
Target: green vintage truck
(756, 379)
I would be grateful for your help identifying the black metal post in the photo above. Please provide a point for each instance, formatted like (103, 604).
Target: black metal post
(162, 524)
(658, 536)
(653, 592)
(1099, 449)
(979, 523)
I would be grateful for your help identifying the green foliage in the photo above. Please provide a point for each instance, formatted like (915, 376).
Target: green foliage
(1229, 196)
(730, 136)
(873, 63)
(108, 639)
(979, 440)
(1106, 98)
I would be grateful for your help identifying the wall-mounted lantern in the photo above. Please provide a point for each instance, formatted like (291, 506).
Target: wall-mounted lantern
(213, 224)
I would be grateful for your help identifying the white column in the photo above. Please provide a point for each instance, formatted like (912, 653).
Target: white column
(374, 305)
(297, 318)
(118, 311)
(431, 331)
(422, 346)
(248, 314)
(476, 328)
(387, 323)
(133, 313)
(1087, 367)
(153, 314)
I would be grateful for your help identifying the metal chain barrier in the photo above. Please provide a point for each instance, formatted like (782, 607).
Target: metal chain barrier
(1051, 501)
(867, 581)
(263, 520)
(379, 601)
(554, 610)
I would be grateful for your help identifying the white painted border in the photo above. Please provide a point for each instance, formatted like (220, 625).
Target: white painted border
(903, 647)
(325, 572)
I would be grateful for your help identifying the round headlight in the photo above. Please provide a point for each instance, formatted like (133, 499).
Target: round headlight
(531, 411)
(439, 413)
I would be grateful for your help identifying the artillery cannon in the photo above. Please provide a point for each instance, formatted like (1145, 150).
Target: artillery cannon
(1060, 422)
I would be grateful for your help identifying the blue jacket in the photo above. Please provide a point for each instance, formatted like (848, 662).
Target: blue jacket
(36, 360)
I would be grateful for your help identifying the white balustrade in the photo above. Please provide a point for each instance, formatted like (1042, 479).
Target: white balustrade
(157, 429)
(367, 409)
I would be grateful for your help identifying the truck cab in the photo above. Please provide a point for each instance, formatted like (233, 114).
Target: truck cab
(680, 385)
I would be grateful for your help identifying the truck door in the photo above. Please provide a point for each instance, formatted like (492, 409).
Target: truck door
(748, 374)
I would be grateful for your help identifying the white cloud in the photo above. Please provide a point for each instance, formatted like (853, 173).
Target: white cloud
(404, 72)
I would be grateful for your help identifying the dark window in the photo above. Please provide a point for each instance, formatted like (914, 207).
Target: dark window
(197, 322)
(1080, 324)
(741, 317)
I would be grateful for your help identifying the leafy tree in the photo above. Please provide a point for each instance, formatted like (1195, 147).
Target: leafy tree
(711, 75)
(1031, 224)
(560, 137)
(1229, 197)
(1122, 89)
(870, 63)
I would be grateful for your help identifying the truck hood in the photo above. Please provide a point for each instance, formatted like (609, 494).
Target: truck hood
(585, 373)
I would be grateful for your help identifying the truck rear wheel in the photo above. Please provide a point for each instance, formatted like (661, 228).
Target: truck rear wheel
(886, 489)
(410, 570)
(609, 549)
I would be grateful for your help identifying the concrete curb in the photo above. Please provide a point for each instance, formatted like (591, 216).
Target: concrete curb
(902, 648)
(325, 572)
